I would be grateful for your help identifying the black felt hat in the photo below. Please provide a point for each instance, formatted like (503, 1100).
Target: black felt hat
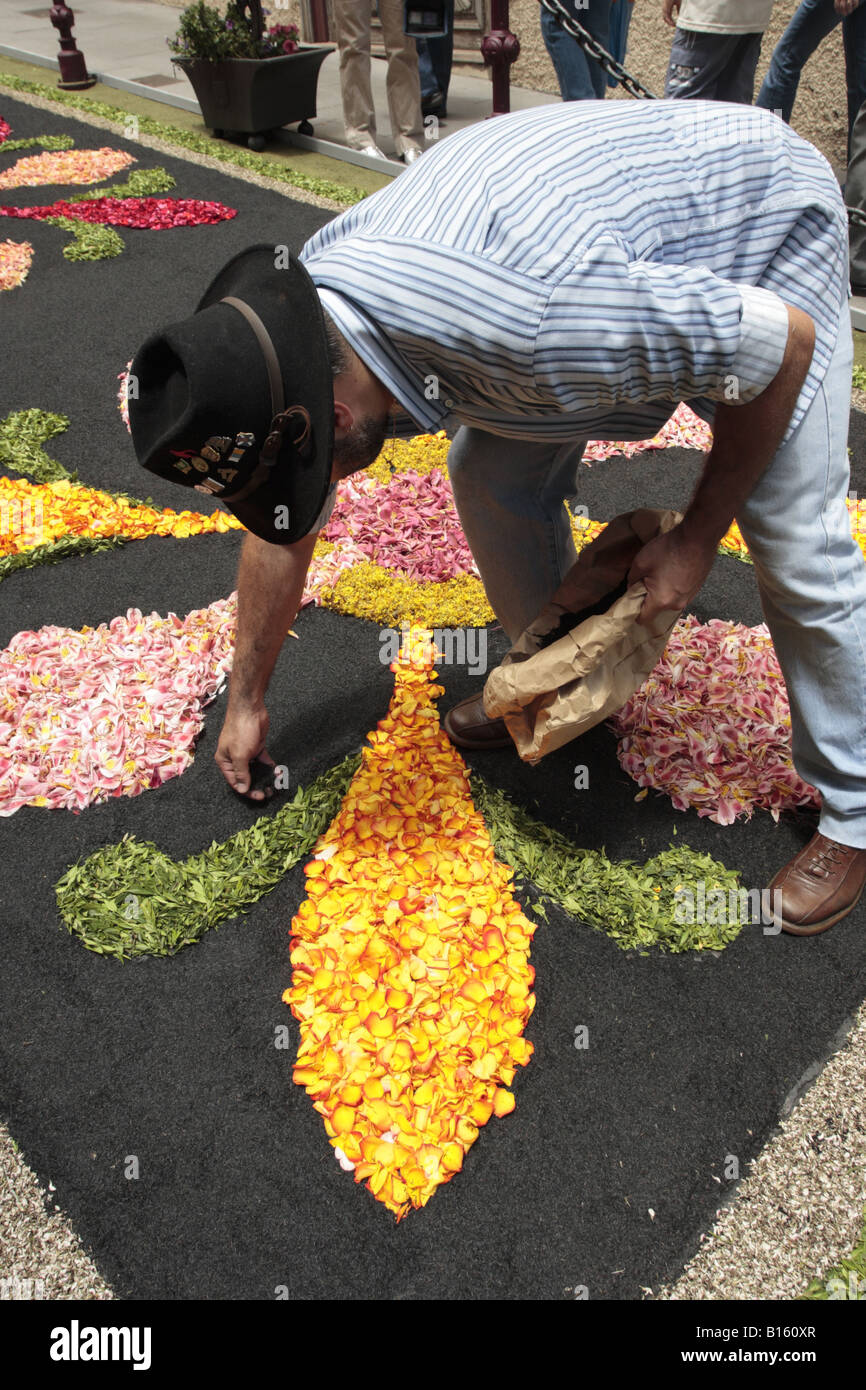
(238, 401)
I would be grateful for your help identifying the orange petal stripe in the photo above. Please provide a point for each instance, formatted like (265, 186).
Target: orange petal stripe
(411, 974)
(38, 513)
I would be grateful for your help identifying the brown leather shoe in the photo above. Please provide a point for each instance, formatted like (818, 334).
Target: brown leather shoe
(468, 726)
(819, 886)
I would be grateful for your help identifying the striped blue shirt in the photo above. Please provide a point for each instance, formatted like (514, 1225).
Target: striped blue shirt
(576, 270)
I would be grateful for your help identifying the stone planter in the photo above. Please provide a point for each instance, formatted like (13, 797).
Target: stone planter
(251, 96)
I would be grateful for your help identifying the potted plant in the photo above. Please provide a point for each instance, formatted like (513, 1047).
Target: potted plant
(247, 80)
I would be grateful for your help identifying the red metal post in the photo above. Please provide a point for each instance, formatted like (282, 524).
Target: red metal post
(500, 48)
(73, 69)
(319, 17)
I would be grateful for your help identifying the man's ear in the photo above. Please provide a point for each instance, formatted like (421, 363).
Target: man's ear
(344, 418)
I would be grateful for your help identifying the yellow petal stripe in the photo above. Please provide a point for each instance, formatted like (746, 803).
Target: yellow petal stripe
(34, 514)
(411, 974)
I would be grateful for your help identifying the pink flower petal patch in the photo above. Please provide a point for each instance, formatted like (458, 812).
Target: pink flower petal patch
(107, 711)
(65, 166)
(711, 727)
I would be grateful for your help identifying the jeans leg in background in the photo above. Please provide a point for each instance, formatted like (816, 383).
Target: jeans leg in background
(580, 78)
(434, 59)
(812, 22)
(620, 19)
(737, 82)
(701, 66)
(855, 197)
(812, 579)
(854, 43)
(509, 495)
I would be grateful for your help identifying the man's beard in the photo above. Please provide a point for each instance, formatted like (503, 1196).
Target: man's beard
(360, 447)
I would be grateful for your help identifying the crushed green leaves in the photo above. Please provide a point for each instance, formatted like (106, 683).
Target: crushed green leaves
(22, 435)
(636, 905)
(131, 899)
(46, 142)
(91, 241)
(142, 183)
(54, 551)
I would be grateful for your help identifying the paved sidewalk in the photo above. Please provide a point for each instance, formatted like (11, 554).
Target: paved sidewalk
(126, 40)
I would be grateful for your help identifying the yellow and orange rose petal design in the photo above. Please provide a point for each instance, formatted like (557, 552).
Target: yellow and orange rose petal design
(410, 956)
(39, 513)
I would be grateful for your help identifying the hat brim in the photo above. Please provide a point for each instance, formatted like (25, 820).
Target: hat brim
(278, 288)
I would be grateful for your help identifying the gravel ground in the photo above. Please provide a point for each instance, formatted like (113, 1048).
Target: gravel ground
(40, 1254)
(800, 1209)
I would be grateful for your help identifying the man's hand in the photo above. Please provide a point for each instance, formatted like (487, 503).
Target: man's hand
(242, 739)
(270, 588)
(673, 567)
(669, 8)
(844, 7)
(745, 440)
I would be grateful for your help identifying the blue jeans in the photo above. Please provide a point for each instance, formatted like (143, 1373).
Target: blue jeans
(580, 77)
(713, 67)
(812, 22)
(810, 572)
(434, 59)
(620, 19)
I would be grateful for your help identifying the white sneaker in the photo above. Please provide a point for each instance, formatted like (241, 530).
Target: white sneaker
(373, 150)
(411, 154)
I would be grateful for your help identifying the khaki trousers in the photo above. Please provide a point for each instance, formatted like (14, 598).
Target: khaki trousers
(352, 22)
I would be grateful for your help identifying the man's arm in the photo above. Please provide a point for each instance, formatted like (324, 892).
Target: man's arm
(270, 586)
(745, 439)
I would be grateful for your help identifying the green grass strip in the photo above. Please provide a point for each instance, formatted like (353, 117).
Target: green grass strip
(54, 551)
(131, 899)
(22, 435)
(47, 142)
(636, 905)
(142, 183)
(847, 1282)
(858, 379)
(190, 140)
(91, 241)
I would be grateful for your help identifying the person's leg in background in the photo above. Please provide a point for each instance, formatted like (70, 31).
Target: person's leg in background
(812, 22)
(435, 56)
(812, 580)
(854, 43)
(620, 19)
(402, 82)
(352, 25)
(855, 197)
(737, 80)
(580, 77)
(699, 64)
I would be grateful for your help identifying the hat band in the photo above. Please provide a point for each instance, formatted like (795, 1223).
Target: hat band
(263, 338)
(280, 416)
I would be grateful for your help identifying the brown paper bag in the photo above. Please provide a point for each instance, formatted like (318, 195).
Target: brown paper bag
(556, 683)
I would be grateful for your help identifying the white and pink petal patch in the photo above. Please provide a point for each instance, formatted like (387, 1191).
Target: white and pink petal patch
(711, 727)
(107, 711)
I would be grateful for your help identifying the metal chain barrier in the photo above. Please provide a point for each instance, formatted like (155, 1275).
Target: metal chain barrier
(596, 51)
(619, 73)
